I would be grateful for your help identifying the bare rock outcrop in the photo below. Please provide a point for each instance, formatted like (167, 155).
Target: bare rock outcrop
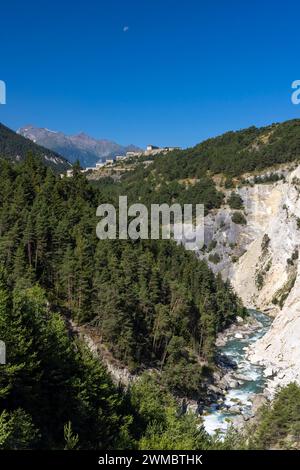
(261, 259)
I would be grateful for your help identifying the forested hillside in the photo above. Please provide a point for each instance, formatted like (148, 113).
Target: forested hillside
(154, 304)
(276, 426)
(186, 176)
(55, 395)
(279, 424)
(15, 148)
(234, 153)
(50, 380)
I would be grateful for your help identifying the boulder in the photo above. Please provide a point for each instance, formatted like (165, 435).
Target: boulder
(257, 402)
(281, 375)
(268, 372)
(241, 377)
(235, 409)
(214, 389)
(238, 336)
(233, 383)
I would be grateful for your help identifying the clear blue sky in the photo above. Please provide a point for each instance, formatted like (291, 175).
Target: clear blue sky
(180, 72)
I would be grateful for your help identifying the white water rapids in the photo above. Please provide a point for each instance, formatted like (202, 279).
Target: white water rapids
(237, 401)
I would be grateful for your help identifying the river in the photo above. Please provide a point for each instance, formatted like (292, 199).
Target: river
(237, 401)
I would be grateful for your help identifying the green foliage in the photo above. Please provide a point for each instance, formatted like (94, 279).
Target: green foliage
(17, 430)
(233, 153)
(185, 176)
(139, 295)
(163, 425)
(276, 426)
(238, 218)
(49, 380)
(279, 424)
(158, 189)
(228, 183)
(214, 258)
(259, 280)
(153, 304)
(269, 178)
(13, 145)
(265, 243)
(71, 439)
(293, 258)
(212, 245)
(282, 294)
(235, 201)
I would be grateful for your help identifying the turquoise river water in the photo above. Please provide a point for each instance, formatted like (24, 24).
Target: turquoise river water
(219, 416)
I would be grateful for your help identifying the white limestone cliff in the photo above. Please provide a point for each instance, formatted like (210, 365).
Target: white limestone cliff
(265, 270)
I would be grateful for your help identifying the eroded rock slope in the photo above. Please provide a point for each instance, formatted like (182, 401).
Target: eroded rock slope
(261, 259)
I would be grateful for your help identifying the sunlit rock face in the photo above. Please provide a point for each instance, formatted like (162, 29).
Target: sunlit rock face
(261, 260)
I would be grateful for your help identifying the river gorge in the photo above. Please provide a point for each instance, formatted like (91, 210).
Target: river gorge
(244, 380)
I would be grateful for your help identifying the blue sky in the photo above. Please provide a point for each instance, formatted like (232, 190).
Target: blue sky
(181, 71)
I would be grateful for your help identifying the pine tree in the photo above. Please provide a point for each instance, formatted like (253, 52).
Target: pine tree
(71, 439)
(83, 276)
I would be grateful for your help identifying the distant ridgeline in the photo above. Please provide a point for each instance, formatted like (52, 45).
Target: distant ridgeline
(15, 148)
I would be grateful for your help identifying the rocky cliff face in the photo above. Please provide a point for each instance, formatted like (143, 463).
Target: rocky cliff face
(261, 260)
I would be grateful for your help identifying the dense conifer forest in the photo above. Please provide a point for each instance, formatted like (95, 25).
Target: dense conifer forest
(234, 153)
(155, 306)
(187, 176)
(153, 303)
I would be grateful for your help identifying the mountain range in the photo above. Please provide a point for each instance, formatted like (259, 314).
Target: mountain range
(15, 147)
(82, 147)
